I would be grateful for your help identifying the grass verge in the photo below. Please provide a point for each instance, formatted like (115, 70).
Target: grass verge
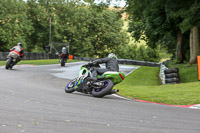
(38, 62)
(143, 84)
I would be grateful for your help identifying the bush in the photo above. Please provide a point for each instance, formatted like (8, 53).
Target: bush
(142, 53)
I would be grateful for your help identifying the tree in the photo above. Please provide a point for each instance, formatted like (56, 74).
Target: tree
(154, 20)
(38, 13)
(14, 23)
(192, 22)
(93, 28)
(96, 31)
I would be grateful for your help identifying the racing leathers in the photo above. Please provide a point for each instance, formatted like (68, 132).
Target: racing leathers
(18, 50)
(111, 65)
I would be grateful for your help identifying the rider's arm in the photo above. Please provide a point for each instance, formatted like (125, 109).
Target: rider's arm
(22, 53)
(12, 49)
(102, 60)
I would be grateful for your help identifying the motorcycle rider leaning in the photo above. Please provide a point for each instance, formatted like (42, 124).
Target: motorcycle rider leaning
(18, 49)
(111, 65)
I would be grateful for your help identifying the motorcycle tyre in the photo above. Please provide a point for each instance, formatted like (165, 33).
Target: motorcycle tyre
(8, 63)
(70, 89)
(62, 62)
(105, 91)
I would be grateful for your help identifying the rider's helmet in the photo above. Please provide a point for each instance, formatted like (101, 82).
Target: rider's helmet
(19, 44)
(64, 50)
(111, 55)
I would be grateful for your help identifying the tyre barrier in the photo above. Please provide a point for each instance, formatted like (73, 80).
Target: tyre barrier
(172, 80)
(171, 70)
(169, 75)
(172, 76)
(172, 83)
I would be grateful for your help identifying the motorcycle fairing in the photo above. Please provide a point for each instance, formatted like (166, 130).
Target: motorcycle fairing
(116, 77)
(81, 76)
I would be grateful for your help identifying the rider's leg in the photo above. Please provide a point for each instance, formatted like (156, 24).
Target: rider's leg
(98, 71)
(94, 74)
(93, 77)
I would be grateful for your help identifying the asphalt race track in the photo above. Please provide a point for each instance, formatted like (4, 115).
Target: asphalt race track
(33, 100)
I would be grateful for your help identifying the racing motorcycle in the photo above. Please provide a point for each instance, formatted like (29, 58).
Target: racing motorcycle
(12, 60)
(63, 59)
(103, 86)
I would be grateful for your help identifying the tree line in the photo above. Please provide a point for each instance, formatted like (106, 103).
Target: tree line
(92, 30)
(171, 24)
(86, 28)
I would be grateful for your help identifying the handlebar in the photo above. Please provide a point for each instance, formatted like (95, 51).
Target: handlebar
(89, 65)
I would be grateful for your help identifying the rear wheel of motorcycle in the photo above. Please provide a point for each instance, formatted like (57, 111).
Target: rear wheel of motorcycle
(105, 90)
(70, 86)
(8, 63)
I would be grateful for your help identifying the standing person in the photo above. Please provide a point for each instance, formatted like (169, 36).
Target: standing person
(111, 65)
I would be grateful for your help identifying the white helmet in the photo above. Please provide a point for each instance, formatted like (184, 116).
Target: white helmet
(64, 50)
(19, 44)
(111, 55)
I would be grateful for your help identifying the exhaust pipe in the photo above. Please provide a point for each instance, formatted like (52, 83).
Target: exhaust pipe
(114, 91)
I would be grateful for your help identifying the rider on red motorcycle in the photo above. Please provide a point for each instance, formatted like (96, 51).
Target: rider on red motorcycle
(18, 49)
(64, 53)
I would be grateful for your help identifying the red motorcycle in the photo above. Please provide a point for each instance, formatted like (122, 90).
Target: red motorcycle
(63, 59)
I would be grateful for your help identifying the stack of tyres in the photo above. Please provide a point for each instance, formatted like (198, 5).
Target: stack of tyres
(172, 76)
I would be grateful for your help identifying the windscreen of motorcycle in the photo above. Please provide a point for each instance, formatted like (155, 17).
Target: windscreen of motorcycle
(83, 73)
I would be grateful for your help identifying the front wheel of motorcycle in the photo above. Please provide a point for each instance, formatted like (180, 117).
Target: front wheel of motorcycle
(8, 63)
(70, 86)
(105, 90)
(62, 62)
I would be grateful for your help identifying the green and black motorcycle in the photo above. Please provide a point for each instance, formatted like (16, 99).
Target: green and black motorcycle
(103, 86)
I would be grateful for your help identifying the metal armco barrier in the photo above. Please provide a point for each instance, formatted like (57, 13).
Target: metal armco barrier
(3, 55)
(139, 63)
(167, 76)
(31, 56)
(125, 61)
(38, 56)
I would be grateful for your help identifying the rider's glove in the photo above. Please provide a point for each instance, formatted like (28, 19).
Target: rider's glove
(90, 64)
(94, 62)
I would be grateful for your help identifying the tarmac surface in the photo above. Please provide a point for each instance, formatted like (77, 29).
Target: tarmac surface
(33, 100)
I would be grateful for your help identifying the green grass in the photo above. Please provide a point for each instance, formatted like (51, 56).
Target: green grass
(37, 62)
(143, 84)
